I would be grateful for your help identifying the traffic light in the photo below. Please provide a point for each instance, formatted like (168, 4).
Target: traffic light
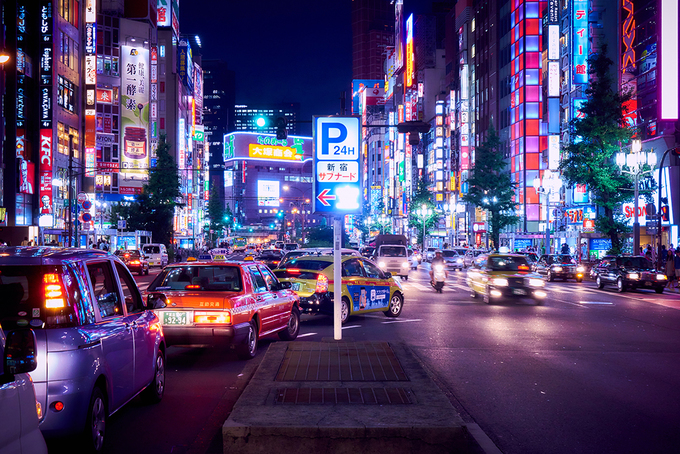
(281, 132)
(260, 122)
(279, 214)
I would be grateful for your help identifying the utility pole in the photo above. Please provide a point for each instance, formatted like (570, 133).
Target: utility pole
(70, 186)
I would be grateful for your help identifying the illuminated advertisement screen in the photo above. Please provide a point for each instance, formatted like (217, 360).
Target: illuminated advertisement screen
(45, 171)
(580, 41)
(410, 59)
(266, 147)
(135, 107)
(669, 60)
(268, 193)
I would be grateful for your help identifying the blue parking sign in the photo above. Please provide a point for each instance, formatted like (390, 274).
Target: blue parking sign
(337, 165)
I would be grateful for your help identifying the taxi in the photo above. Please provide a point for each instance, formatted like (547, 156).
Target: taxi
(223, 303)
(365, 287)
(500, 276)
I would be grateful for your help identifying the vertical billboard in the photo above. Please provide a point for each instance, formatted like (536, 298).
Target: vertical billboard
(409, 74)
(580, 53)
(135, 109)
(668, 61)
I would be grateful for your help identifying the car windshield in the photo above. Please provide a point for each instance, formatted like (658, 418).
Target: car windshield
(275, 254)
(450, 254)
(508, 263)
(152, 249)
(393, 251)
(634, 262)
(431, 249)
(199, 278)
(307, 264)
(561, 259)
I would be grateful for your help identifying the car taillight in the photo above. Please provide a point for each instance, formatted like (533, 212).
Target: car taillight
(192, 287)
(212, 318)
(293, 270)
(321, 284)
(54, 292)
(134, 262)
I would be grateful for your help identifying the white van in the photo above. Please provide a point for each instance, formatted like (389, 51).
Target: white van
(156, 254)
(393, 258)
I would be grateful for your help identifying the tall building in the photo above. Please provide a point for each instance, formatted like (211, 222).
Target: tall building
(263, 118)
(372, 34)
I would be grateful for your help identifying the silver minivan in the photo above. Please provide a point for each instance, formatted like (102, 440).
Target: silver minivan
(19, 410)
(156, 254)
(97, 344)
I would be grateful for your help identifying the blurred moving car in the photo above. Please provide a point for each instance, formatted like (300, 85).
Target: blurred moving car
(503, 276)
(20, 412)
(134, 260)
(270, 257)
(429, 253)
(629, 272)
(156, 254)
(413, 259)
(97, 344)
(559, 266)
(367, 251)
(470, 256)
(365, 288)
(453, 260)
(291, 246)
(225, 303)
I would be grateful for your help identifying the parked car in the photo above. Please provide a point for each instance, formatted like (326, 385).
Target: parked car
(629, 272)
(224, 303)
(429, 253)
(532, 258)
(504, 276)
(156, 254)
(559, 266)
(270, 257)
(134, 260)
(97, 344)
(452, 259)
(365, 287)
(20, 412)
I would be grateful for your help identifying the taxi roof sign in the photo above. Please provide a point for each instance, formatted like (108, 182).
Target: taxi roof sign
(337, 164)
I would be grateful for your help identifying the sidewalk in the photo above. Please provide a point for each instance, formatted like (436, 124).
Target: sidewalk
(344, 397)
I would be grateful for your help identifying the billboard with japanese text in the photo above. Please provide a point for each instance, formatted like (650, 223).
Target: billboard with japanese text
(135, 109)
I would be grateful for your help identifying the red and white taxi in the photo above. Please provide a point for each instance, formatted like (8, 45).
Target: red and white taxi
(218, 302)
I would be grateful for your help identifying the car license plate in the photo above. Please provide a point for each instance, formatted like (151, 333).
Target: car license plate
(648, 284)
(295, 286)
(175, 318)
(519, 291)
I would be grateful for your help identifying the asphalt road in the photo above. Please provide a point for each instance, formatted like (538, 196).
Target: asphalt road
(590, 371)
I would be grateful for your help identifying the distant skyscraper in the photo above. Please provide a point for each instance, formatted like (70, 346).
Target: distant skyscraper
(246, 117)
(372, 32)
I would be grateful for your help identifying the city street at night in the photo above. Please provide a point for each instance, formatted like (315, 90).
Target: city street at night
(588, 371)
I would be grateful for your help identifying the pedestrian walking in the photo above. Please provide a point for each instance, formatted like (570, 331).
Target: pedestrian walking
(677, 266)
(670, 272)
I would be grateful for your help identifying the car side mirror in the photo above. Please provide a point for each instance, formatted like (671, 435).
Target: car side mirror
(387, 274)
(156, 301)
(20, 353)
(285, 285)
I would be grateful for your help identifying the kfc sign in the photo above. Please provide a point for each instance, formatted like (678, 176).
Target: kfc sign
(45, 171)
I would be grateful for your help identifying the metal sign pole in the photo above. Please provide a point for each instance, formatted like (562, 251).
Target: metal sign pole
(337, 279)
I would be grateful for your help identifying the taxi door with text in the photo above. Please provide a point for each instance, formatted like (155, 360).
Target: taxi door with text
(353, 279)
(379, 289)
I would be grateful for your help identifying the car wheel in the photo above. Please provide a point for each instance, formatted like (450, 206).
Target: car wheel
(600, 284)
(549, 277)
(147, 271)
(95, 425)
(579, 279)
(344, 310)
(619, 285)
(396, 305)
(659, 290)
(155, 391)
(405, 278)
(248, 349)
(292, 330)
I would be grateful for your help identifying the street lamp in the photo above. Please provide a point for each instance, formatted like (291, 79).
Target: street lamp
(424, 211)
(550, 184)
(487, 202)
(636, 161)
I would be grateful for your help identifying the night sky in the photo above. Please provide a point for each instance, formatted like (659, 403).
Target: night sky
(281, 51)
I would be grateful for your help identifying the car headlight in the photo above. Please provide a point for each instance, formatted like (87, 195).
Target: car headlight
(500, 281)
(404, 265)
(459, 261)
(580, 269)
(536, 282)
(633, 276)
(661, 277)
(439, 268)
(382, 265)
(557, 269)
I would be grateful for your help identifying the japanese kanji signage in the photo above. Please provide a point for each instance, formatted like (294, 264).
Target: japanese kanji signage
(580, 41)
(337, 181)
(135, 107)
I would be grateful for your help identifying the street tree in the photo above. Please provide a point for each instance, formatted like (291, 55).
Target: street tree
(491, 187)
(597, 134)
(216, 211)
(154, 208)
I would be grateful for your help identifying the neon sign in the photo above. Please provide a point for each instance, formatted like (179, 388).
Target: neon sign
(580, 51)
(628, 37)
(410, 59)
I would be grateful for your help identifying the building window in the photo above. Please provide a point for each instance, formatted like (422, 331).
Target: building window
(66, 94)
(68, 9)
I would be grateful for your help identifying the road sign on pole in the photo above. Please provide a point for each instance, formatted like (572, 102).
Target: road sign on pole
(337, 165)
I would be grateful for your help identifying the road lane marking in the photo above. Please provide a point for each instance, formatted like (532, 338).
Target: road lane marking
(306, 335)
(402, 321)
(351, 326)
(604, 303)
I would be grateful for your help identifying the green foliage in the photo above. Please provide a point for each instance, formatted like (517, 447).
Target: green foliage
(323, 237)
(491, 187)
(155, 207)
(590, 160)
(216, 211)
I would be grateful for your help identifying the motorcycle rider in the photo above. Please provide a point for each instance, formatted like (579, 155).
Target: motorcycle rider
(437, 260)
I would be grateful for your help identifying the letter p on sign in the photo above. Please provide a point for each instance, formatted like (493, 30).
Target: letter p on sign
(332, 133)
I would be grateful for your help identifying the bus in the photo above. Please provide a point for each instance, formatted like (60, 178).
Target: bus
(239, 244)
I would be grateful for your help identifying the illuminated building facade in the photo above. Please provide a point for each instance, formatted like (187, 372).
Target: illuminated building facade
(246, 117)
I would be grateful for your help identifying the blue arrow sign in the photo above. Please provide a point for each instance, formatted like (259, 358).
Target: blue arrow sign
(337, 165)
